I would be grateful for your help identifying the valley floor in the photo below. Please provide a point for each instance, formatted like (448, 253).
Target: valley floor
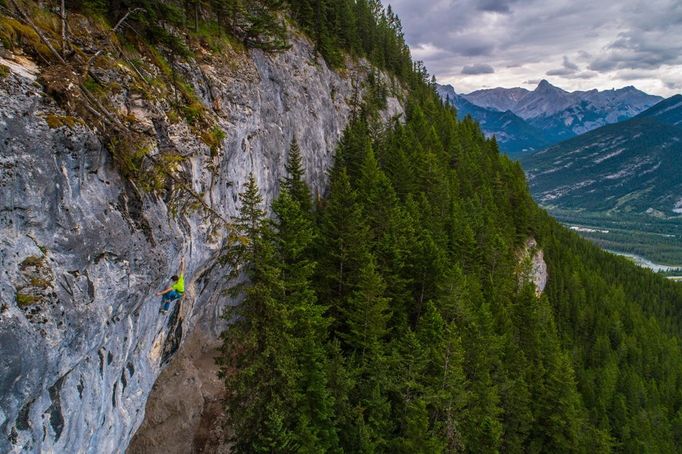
(651, 242)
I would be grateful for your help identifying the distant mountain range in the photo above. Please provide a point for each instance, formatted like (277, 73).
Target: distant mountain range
(619, 185)
(634, 166)
(524, 120)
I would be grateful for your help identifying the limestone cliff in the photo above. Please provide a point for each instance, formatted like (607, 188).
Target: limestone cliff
(83, 250)
(532, 267)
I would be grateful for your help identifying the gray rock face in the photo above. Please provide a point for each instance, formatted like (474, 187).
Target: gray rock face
(533, 268)
(82, 252)
(501, 99)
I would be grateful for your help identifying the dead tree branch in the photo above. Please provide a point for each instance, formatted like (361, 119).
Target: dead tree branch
(109, 35)
(42, 37)
(62, 13)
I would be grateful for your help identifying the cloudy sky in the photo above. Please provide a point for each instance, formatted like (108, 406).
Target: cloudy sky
(575, 44)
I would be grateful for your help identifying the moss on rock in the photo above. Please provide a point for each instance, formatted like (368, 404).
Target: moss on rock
(57, 121)
(32, 260)
(25, 299)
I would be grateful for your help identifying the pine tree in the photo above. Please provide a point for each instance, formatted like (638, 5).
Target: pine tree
(417, 437)
(256, 356)
(343, 244)
(306, 326)
(558, 407)
(443, 378)
(294, 182)
(248, 228)
(366, 314)
(365, 317)
(482, 428)
(376, 194)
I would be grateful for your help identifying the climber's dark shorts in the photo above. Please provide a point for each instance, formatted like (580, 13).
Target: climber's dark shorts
(169, 297)
(172, 296)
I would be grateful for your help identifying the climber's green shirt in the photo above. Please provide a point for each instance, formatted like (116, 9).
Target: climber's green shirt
(180, 285)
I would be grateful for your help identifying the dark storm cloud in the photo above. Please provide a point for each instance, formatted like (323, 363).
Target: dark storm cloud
(569, 64)
(569, 69)
(634, 75)
(560, 72)
(478, 69)
(582, 75)
(497, 6)
(558, 36)
(640, 49)
(476, 49)
(499, 32)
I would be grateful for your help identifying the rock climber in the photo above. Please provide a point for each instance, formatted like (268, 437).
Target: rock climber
(175, 291)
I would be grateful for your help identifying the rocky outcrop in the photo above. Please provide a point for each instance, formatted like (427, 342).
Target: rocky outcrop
(83, 250)
(533, 267)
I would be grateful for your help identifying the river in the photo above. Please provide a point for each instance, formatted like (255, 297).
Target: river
(646, 263)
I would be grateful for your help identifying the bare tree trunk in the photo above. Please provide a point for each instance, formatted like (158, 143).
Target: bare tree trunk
(185, 17)
(175, 85)
(196, 16)
(112, 32)
(62, 12)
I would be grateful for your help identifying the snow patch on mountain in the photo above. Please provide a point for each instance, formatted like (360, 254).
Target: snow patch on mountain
(632, 169)
(678, 206)
(561, 191)
(652, 169)
(608, 156)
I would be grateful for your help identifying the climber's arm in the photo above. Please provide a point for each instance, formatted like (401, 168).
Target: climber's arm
(163, 292)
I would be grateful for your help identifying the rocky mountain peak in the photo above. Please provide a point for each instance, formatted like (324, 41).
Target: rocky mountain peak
(446, 90)
(500, 99)
(546, 87)
(545, 100)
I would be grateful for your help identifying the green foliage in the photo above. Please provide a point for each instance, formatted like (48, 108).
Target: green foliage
(25, 300)
(294, 181)
(214, 139)
(400, 314)
(343, 243)
(15, 34)
(128, 155)
(277, 344)
(361, 28)
(32, 261)
(57, 121)
(256, 23)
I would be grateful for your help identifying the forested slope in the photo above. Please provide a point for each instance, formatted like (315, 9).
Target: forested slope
(390, 317)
